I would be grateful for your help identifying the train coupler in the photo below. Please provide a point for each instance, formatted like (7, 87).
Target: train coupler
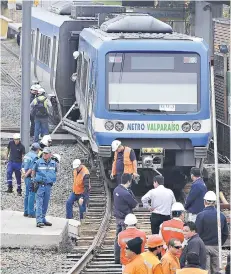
(152, 158)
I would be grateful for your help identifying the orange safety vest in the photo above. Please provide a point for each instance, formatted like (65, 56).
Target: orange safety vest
(136, 266)
(152, 262)
(170, 263)
(78, 186)
(126, 235)
(128, 166)
(172, 229)
(191, 270)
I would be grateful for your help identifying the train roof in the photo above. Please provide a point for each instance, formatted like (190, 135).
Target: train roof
(105, 36)
(136, 26)
(49, 17)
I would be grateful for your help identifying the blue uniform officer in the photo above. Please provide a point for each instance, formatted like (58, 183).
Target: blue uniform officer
(28, 162)
(44, 176)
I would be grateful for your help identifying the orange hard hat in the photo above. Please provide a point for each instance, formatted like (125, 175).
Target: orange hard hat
(155, 240)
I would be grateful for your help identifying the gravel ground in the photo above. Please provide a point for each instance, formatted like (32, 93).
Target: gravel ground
(25, 260)
(21, 261)
(60, 190)
(10, 95)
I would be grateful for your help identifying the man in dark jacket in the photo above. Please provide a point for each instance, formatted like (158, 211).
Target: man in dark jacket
(206, 224)
(194, 244)
(195, 200)
(124, 203)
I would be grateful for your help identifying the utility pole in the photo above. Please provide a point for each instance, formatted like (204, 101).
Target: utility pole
(26, 70)
(216, 168)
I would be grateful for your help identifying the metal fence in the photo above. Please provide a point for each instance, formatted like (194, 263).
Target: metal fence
(223, 139)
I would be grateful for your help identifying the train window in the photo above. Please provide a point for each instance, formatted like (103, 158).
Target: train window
(78, 69)
(44, 52)
(53, 62)
(84, 76)
(32, 42)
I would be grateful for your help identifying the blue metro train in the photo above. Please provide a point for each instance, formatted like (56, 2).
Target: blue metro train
(132, 79)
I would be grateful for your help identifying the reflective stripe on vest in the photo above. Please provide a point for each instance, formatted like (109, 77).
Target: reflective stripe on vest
(128, 166)
(150, 260)
(78, 186)
(47, 168)
(172, 229)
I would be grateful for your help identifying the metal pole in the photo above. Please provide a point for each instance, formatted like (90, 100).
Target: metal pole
(26, 81)
(216, 167)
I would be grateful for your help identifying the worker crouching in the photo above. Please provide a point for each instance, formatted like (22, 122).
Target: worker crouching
(43, 176)
(81, 188)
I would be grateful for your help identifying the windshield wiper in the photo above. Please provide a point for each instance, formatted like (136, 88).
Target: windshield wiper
(142, 111)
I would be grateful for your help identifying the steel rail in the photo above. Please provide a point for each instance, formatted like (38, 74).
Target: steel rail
(10, 77)
(9, 50)
(95, 246)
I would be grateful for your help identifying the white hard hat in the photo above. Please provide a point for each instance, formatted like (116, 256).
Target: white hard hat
(76, 163)
(41, 91)
(57, 156)
(130, 219)
(210, 196)
(76, 54)
(115, 144)
(178, 207)
(46, 139)
(35, 87)
(16, 136)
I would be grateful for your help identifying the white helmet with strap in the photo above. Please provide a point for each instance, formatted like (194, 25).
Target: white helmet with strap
(41, 91)
(115, 144)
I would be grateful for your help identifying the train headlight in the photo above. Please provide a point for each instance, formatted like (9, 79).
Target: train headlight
(196, 126)
(119, 126)
(109, 125)
(186, 127)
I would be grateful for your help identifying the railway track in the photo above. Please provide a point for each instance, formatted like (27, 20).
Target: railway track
(10, 78)
(4, 45)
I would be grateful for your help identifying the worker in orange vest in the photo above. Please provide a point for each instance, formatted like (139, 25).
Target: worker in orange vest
(174, 227)
(136, 263)
(81, 188)
(193, 265)
(129, 233)
(124, 161)
(155, 244)
(170, 262)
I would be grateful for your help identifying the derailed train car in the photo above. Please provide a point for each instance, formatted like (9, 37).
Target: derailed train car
(136, 81)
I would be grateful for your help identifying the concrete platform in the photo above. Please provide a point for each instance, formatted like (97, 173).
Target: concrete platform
(19, 231)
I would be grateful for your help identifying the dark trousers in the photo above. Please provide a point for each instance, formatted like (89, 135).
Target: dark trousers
(157, 220)
(32, 125)
(119, 228)
(16, 168)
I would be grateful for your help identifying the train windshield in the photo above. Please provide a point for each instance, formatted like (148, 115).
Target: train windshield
(153, 82)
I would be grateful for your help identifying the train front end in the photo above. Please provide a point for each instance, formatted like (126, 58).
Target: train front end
(155, 98)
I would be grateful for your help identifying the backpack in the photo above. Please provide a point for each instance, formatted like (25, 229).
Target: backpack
(40, 110)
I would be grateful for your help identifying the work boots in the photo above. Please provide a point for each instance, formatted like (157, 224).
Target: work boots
(19, 191)
(10, 189)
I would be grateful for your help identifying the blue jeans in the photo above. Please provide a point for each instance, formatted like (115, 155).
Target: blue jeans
(41, 127)
(119, 228)
(69, 205)
(42, 200)
(16, 168)
(29, 198)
